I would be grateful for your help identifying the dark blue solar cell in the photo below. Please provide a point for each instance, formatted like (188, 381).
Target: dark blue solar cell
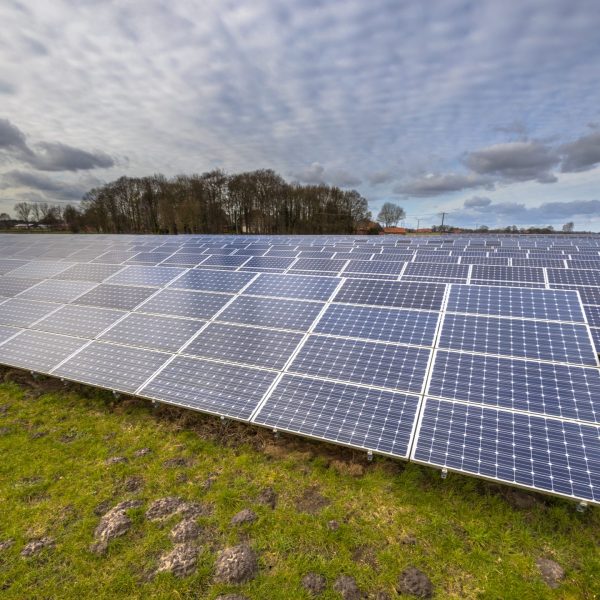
(593, 315)
(539, 262)
(115, 296)
(391, 325)
(388, 293)
(225, 261)
(436, 270)
(183, 303)
(369, 266)
(552, 305)
(268, 262)
(547, 454)
(585, 277)
(558, 342)
(301, 287)
(381, 365)
(227, 390)
(525, 274)
(246, 345)
(377, 420)
(588, 295)
(268, 312)
(548, 389)
(212, 281)
(144, 275)
(319, 265)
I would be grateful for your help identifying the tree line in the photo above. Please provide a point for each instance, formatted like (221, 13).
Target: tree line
(260, 202)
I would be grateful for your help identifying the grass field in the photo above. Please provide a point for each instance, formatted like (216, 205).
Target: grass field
(334, 513)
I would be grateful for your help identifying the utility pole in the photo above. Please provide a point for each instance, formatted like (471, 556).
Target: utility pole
(443, 216)
(418, 222)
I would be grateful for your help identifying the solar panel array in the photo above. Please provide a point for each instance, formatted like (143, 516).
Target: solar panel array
(473, 354)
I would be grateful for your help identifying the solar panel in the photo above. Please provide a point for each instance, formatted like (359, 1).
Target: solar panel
(547, 389)
(224, 261)
(153, 332)
(269, 262)
(436, 270)
(527, 450)
(557, 342)
(110, 366)
(6, 332)
(544, 304)
(377, 420)
(54, 290)
(268, 312)
(367, 266)
(227, 390)
(115, 296)
(8, 265)
(149, 276)
(11, 286)
(246, 345)
(182, 303)
(82, 321)
(23, 313)
(89, 272)
(39, 269)
(573, 276)
(319, 265)
(300, 287)
(383, 324)
(38, 350)
(382, 365)
(495, 273)
(398, 294)
(212, 281)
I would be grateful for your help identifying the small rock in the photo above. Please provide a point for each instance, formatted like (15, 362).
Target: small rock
(314, 583)
(333, 525)
(114, 523)
(409, 540)
(142, 452)
(237, 564)
(268, 497)
(346, 586)
(552, 573)
(414, 582)
(6, 544)
(163, 508)
(244, 516)
(185, 531)
(36, 546)
(181, 561)
(115, 460)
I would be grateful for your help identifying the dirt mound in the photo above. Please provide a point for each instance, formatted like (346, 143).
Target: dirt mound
(113, 524)
(552, 573)
(414, 582)
(314, 583)
(193, 510)
(142, 452)
(185, 531)
(177, 462)
(36, 546)
(244, 516)
(6, 544)
(346, 586)
(181, 561)
(311, 501)
(237, 564)
(133, 484)
(163, 508)
(116, 460)
(268, 497)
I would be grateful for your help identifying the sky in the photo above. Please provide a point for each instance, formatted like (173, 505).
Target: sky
(488, 111)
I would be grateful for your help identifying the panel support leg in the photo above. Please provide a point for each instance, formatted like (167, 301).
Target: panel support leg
(369, 455)
(582, 506)
(444, 473)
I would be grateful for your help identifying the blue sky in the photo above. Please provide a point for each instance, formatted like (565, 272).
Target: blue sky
(488, 111)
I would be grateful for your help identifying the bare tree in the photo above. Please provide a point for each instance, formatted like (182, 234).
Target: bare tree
(23, 210)
(390, 214)
(568, 227)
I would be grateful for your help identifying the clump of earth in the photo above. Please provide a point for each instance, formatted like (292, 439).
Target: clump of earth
(237, 564)
(414, 582)
(113, 524)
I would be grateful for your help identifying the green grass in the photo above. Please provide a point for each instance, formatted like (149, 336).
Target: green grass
(470, 538)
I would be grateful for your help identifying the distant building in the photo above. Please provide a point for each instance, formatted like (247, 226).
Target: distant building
(394, 230)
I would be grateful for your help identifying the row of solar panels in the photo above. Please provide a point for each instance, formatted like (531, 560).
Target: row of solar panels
(500, 382)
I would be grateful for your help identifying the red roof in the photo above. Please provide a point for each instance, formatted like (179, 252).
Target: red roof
(394, 230)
